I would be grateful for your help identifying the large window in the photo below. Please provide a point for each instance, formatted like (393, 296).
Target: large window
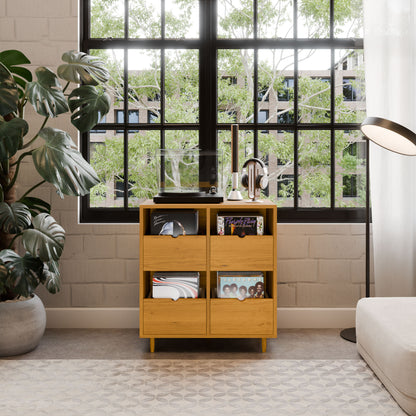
(289, 72)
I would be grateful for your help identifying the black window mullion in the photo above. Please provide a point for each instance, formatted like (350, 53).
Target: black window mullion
(126, 131)
(207, 76)
(255, 82)
(256, 104)
(295, 111)
(332, 103)
(332, 110)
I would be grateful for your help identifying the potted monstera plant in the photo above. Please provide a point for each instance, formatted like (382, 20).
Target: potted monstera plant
(31, 240)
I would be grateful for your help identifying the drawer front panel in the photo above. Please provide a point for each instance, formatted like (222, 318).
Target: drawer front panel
(166, 253)
(247, 253)
(169, 317)
(247, 317)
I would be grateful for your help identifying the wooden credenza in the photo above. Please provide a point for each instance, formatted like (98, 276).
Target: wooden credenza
(208, 253)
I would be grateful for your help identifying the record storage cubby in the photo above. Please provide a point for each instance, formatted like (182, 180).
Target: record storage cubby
(207, 253)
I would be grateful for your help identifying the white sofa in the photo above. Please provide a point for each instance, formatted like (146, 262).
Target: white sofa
(386, 339)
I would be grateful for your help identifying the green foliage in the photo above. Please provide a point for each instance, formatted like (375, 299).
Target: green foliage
(46, 94)
(11, 137)
(24, 273)
(9, 94)
(87, 105)
(82, 68)
(46, 239)
(66, 169)
(14, 218)
(56, 160)
(12, 59)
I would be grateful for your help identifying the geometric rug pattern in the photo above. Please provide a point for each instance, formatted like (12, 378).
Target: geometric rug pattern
(192, 387)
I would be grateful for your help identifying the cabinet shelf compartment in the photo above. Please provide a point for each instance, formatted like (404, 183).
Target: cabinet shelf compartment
(170, 317)
(148, 207)
(167, 253)
(252, 252)
(243, 318)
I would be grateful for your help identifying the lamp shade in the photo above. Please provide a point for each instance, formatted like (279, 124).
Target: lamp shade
(390, 135)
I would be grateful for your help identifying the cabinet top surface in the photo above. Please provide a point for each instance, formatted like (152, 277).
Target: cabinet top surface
(246, 204)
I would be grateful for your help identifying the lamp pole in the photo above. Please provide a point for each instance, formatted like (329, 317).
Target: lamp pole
(349, 334)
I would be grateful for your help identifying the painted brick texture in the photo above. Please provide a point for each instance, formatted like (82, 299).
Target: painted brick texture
(319, 265)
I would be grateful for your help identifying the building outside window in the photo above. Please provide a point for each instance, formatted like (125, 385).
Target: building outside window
(286, 89)
(133, 119)
(184, 71)
(351, 89)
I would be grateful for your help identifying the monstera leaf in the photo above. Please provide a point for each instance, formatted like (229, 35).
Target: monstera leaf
(59, 163)
(82, 68)
(14, 218)
(46, 94)
(11, 59)
(3, 276)
(91, 104)
(36, 205)
(51, 277)
(46, 239)
(11, 137)
(9, 94)
(24, 272)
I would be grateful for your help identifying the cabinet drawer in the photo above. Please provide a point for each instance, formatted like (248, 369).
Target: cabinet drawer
(166, 253)
(247, 317)
(169, 317)
(247, 253)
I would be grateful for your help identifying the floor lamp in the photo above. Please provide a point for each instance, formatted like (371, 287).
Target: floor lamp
(398, 139)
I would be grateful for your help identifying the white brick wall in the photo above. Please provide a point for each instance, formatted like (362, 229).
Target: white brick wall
(318, 264)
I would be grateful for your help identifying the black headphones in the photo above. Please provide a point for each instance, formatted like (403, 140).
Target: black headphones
(262, 179)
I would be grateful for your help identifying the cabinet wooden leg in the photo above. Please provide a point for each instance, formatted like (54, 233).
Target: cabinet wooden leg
(152, 344)
(263, 344)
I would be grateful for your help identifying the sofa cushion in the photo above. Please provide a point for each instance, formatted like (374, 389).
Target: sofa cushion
(386, 339)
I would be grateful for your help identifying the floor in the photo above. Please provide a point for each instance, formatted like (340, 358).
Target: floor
(125, 344)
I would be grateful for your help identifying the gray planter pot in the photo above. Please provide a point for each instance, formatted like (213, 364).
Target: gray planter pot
(22, 324)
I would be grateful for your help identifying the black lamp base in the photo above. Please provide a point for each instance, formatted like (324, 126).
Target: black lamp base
(349, 334)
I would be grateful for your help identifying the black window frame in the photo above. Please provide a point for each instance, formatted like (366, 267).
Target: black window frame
(208, 44)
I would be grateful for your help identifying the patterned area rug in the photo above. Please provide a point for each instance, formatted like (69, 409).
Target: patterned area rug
(192, 387)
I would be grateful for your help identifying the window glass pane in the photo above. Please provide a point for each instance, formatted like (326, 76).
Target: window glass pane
(314, 86)
(313, 19)
(350, 181)
(107, 18)
(114, 62)
(144, 82)
(349, 86)
(144, 19)
(181, 169)
(133, 118)
(181, 139)
(182, 86)
(277, 149)
(235, 19)
(106, 157)
(182, 19)
(348, 16)
(275, 84)
(235, 86)
(275, 18)
(314, 150)
(119, 118)
(142, 181)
